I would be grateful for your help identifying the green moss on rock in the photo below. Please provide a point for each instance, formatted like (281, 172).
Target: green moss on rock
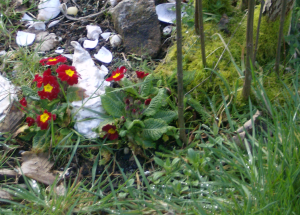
(229, 69)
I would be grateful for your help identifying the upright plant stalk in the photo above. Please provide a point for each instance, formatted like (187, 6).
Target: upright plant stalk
(199, 28)
(249, 56)
(280, 37)
(180, 74)
(258, 27)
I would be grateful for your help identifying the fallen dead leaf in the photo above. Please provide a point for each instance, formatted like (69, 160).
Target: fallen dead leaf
(37, 167)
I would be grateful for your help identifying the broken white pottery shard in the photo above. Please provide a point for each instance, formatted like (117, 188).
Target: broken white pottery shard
(104, 69)
(51, 24)
(69, 56)
(8, 93)
(92, 80)
(38, 26)
(93, 32)
(106, 35)
(48, 9)
(166, 12)
(90, 44)
(104, 55)
(115, 40)
(24, 38)
(59, 50)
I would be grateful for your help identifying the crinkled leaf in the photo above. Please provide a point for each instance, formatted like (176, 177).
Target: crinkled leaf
(129, 124)
(27, 91)
(166, 115)
(111, 105)
(154, 128)
(76, 94)
(155, 103)
(146, 86)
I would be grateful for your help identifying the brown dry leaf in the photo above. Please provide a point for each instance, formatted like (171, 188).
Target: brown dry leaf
(7, 175)
(37, 167)
(50, 42)
(4, 195)
(12, 120)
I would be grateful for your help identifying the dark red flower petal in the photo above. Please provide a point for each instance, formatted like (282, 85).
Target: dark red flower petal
(23, 102)
(112, 133)
(39, 80)
(68, 74)
(30, 121)
(43, 119)
(147, 101)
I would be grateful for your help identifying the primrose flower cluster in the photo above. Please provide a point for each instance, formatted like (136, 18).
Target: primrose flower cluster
(133, 108)
(50, 87)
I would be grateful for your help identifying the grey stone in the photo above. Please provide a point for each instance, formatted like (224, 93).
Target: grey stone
(136, 21)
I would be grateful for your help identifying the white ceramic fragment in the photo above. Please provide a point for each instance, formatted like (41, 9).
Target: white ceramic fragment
(106, 35)
(115, 40)
(24, 38)
(3, 52)
(167, 30)
(104, 55)
(38, 26)
(93, 32)
(92, 80)
(27, 18)
(8, 93)
(48, 9)
(69, 56)
(104, 69)
(166, 12)
(72, 11)
(51, 24)
(90, 44)
(59, 50)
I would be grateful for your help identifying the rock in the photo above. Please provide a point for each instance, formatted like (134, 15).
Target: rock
(92, 80)
(136, 21)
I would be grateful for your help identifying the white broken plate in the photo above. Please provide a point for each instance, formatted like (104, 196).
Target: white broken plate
(166, 12)
(7, 95)
(90, 44)
(48, 9)
(104, 69)
(93, 32)
(24, 38)
(106, 35)
(104, 55)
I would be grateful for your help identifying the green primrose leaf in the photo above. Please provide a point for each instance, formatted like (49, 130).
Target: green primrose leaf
(76, 94)
(154, 128)
(27, 91)
(166, 115)
(147, 86)
(129, 124)
(111, 105)
(155, 103)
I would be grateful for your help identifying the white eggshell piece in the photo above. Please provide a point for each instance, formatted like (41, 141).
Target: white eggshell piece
(48, 9)
(24, 38)
(104, 55)
(26, 18)
(167, 30)
(106, 35)
(115, 40)
(90, 44)
(93, 32)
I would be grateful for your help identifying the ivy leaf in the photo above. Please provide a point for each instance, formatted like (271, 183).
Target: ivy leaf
(155, 103)
(166, 115)
(76, 94)
(154, 128)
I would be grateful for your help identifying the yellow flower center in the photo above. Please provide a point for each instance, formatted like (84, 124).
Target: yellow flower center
(48, 88)
(44, 117)
(70, 72)
(51, 60)
(111, 131)
(116, 75)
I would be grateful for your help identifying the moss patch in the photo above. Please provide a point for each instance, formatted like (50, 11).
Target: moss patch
(228, 73)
